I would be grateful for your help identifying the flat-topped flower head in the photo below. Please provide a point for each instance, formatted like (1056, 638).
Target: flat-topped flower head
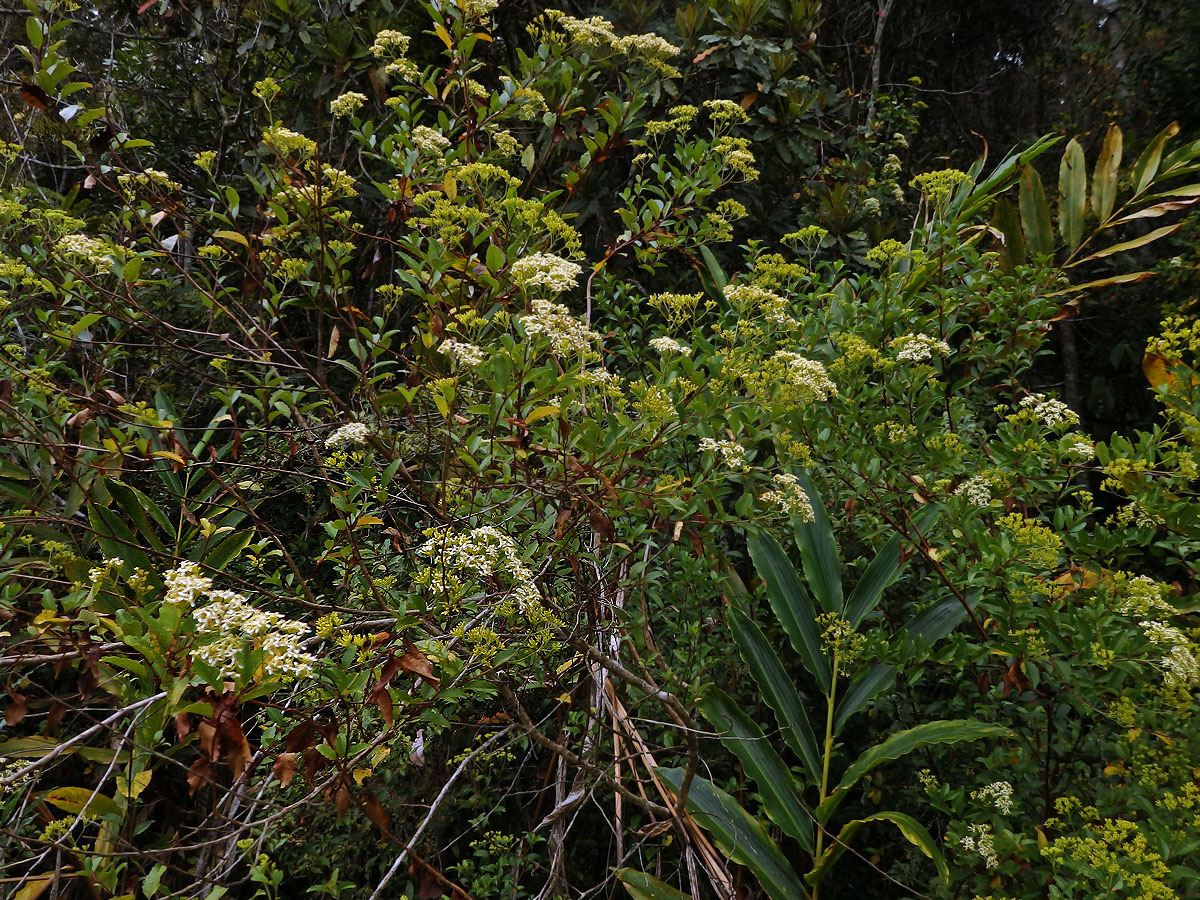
(665, 346)
(1051, 413)
(353, 434)
(919, 347)
(790, 497)
(567, 335)
(545, 270)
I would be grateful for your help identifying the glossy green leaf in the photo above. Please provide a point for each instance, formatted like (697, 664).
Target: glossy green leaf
(646, 887)
(1142, 241)
(136, 506)
(1146, 167)
(819, 553)
(742, 737)
(739, 836)
(778, 691)
(865, 685)
(1006, 221)
(1035, 214)
(1072, 194)
(939, 620)
(1104, 177)
(953, 731)
(75, 800)
(916, 834)
(791, 604)
(879, 574)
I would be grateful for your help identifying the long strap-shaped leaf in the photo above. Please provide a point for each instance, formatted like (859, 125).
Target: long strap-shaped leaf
(819, 553)
(741, 735)
(646, 887)
(866, 684)
(879, 574)
(914, 831)
(779, 692)
(739, 836)
(945, 731)
(791, 604)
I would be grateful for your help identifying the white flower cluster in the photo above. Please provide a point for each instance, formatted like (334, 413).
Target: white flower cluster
(665, 345)
(111, 563)
(732, 453)
(352, 434)
(789, 495)
(749, 297)
(86, 248)
(1180, 666)
(347, 104)
(1143, 596)
(427, 140)
(807, 374)
(981, 840)
(977, 490)
(481, 553)
(234, 622)
(1082, 449)
(567, 335)
(463, 353)
(545, 270)
(1051, 413)
(477, 9)
(919, 347)
(999, 794)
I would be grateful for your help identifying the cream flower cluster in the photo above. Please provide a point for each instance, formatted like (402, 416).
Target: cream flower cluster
(567, 335)
(481, 553)
(428, 140)
(665, 345)
(347, 104)
(234, 622)
(84, 247)
(1051, 413)
(1082, 449)
(1180, 666)
(789, 495)
(919, 347)
(807, 374)
(998, 794)
(732, 453)
(545, 270)
(352, 434)
(977, 490)
(980, 839)
(463, 353)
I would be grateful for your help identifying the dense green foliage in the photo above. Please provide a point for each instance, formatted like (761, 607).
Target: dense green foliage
(507, 453)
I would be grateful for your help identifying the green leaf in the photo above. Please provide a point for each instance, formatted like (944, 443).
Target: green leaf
(778, 691)
(1104, 178)
(115, 540)
(1126, 278)
(940, 619)
(914, 831)
(865, 685)
(226, 550)
(953, 731)
(791, 605)
(715, 272)
(646, 887)
(150, 882)
(1072, 189)
(1008, 223)
(1146, 167)
(1035, 213)
(135, 505)
(1142, 241)
(741, 736)
(879, 574)
(739, 836)
(75, 800)
(819, 552)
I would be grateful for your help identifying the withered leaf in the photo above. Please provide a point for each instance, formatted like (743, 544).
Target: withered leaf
(417, 663)
(16, 710)
(285, 768)
(378, 815)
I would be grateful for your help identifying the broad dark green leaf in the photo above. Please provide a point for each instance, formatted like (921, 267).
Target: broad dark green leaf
(136, 505)
(742, 737)
(1002, 177)
(819, 553)
(1146, 167)
(880, 573)
(913, 831)
(226, 550)
(646, 887)
(778, 691)
(1035, 214)
(1104, 177)
(739, 836)
(1072, 194)
(115, 539)
(1008, 223)
(952, 731)
(791, 604)
(940, 619)
(1148, 238)
(865, 685)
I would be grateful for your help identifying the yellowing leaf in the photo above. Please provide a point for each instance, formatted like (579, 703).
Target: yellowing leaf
(232, 236)
(540, 413)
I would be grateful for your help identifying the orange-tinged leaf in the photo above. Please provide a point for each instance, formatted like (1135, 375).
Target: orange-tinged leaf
(417, 663)
(377, 814)
(285, 768)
